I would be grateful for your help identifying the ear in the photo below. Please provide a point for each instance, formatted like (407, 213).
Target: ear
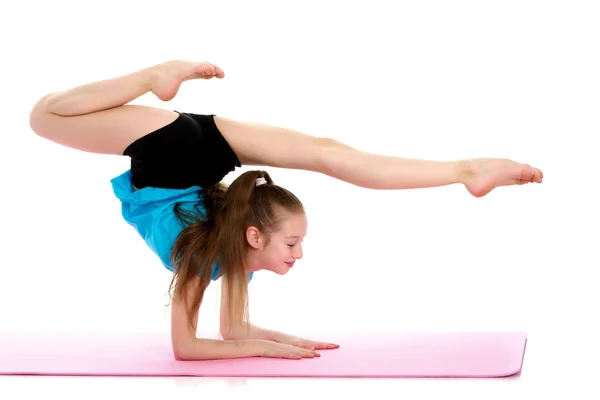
(254, 237)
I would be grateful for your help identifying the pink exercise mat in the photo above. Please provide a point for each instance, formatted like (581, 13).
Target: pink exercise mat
(408, 355)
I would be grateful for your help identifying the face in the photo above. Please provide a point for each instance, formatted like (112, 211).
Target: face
(285, 247)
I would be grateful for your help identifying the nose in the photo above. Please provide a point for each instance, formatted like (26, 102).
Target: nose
(298, 252)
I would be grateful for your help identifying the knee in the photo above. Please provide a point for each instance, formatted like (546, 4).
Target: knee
(332, 154)
(40, 106)
(325, 142)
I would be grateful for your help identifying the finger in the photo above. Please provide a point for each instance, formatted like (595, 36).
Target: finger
(304, 344)
(316, 353)
(323, 345)
(289, 354)
(310, 354)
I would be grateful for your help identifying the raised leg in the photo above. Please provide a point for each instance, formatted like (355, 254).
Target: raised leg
(95, 117)
(260, 144)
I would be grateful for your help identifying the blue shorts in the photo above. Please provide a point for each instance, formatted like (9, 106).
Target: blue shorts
(150, 211)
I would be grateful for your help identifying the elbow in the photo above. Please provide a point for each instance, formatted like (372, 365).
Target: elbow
(178, 356)
(182, 349)
(180, 353)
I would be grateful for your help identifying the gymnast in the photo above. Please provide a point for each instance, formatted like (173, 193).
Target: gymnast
(202, 229)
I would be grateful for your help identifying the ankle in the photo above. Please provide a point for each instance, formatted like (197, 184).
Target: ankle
(150, 76)
(465, 171)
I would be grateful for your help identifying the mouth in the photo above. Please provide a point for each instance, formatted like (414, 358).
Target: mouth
(290, 264)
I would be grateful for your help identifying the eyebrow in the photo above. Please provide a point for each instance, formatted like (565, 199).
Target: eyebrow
(292, 237)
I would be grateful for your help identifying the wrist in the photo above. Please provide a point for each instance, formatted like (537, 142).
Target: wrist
(265, 334)
(275, 336)
(253, 347)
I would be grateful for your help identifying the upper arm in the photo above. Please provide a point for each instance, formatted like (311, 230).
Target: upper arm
(227, 331)
(182, 329)
(223, 316)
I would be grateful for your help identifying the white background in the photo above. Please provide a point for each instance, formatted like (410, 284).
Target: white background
(429, 79)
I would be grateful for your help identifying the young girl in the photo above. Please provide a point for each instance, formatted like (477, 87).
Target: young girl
(201, 229)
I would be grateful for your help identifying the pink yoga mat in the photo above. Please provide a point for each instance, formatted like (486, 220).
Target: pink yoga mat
(410, 355)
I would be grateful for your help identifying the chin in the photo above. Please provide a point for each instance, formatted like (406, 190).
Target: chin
(282, 270)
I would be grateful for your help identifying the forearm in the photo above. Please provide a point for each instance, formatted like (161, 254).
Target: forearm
(253, 332)
(212, 349)
(100, 95)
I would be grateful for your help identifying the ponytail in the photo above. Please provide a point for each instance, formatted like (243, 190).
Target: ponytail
(218, 235)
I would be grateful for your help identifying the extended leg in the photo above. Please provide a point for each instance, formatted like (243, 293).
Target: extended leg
(260, 144)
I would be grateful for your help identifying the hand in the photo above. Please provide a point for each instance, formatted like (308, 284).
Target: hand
(305, 343)
(267, 348)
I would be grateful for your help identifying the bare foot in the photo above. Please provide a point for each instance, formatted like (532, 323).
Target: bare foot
(481, 176)
(169, 76)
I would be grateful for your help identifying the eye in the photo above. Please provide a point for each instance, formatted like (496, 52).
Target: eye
(291, 245)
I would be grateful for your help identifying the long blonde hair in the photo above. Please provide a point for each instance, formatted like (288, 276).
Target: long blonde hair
(218, 235)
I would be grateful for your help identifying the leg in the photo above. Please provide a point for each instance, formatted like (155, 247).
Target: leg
(259, 144)
(94, 117)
